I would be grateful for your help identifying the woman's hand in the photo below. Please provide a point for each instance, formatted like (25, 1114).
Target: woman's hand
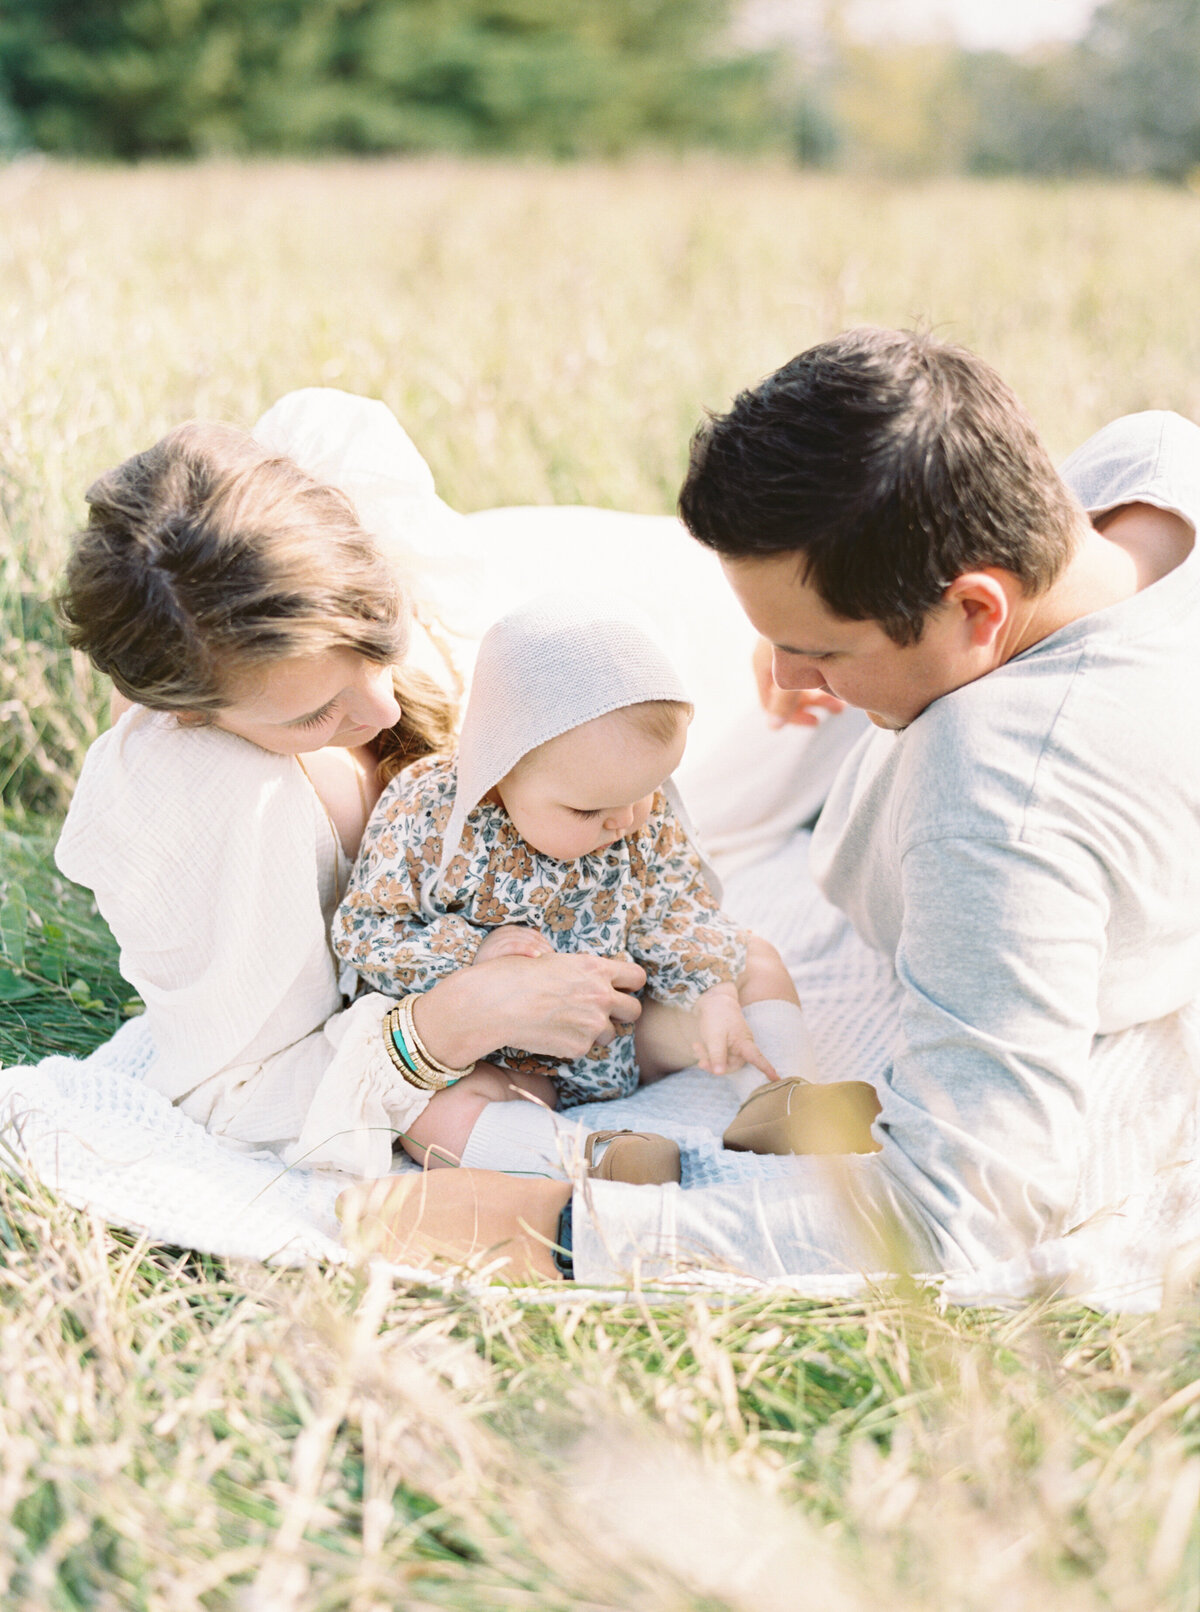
(788, 707)
(559, 1005)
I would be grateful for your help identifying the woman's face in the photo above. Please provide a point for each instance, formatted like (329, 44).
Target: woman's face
(312, 701)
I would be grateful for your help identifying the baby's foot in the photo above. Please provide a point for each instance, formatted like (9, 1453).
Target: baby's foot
(638, 1157)
(798, 1116)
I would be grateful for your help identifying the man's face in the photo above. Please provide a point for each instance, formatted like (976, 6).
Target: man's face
(855, 660)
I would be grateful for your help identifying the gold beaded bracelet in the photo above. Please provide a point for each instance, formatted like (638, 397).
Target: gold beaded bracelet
(416, 1044)
(406, 1061)
(409, 1054)
(389, 1026)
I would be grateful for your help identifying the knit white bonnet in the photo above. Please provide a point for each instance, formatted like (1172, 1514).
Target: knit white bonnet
(546, 668)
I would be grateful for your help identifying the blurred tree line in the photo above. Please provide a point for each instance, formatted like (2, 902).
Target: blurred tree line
(1124, 100)
(131, 78)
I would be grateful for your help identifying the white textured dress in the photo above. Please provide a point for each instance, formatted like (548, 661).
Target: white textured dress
(217, 868)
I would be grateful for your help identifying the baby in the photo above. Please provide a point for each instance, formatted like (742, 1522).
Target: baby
(556, 826)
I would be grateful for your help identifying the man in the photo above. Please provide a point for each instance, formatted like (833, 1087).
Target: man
(1020, 838)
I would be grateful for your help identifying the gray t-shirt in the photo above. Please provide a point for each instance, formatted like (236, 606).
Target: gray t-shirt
(1028, 853)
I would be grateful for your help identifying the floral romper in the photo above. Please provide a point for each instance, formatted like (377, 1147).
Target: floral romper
(646, 896)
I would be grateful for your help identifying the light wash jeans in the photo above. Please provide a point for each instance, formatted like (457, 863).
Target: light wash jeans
(839, 1216)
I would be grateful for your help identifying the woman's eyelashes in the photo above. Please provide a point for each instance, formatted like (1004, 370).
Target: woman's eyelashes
(315, 720)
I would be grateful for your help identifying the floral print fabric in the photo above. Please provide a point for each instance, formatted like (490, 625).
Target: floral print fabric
(645, 896)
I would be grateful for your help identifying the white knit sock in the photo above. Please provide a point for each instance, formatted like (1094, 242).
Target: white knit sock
(783, 1038)
(523, 1138)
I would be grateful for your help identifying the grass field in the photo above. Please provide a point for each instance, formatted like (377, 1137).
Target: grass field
(175, 1433)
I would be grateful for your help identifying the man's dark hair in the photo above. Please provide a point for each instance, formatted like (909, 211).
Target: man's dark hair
(889, 463)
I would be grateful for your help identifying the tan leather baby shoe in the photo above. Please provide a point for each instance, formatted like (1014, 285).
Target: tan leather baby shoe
(798, 1116)
(638, 1157)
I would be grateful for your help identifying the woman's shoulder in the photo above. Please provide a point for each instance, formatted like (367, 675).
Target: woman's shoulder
(332, 434)
(150, 756)
(151, 783)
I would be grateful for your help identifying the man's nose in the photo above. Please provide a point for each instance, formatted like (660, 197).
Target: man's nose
(793, 671)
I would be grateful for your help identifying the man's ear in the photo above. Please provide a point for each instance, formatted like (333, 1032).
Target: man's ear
(983, 598)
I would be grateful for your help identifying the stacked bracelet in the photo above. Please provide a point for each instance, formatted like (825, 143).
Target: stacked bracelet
(410, 1055)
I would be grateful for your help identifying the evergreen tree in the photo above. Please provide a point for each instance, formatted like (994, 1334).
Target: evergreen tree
(129, 78)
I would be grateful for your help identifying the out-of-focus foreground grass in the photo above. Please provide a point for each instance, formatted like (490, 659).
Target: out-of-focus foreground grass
(175, 1433)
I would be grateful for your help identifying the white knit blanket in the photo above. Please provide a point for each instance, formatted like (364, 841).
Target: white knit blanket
(94, 1132)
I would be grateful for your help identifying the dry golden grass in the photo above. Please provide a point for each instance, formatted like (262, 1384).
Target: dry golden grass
(177, 1434)
(547, 334)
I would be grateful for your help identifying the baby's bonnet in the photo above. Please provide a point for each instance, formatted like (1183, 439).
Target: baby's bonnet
(550, 666)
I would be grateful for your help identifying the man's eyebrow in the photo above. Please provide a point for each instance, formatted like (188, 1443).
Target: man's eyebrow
(805, 654)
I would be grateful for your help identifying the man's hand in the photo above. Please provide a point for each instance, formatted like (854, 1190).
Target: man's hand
(512, 940)
(724, 1040)
(788, 707)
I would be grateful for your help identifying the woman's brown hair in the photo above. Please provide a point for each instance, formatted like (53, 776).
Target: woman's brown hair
(208, 556)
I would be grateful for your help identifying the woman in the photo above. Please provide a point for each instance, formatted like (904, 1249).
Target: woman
(255, 633)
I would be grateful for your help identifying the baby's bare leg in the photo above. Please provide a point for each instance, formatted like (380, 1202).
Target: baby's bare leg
(764, 979)
(437, 1136)
(664, 1040)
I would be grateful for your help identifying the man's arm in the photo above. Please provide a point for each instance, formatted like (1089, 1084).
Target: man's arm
(999, 961)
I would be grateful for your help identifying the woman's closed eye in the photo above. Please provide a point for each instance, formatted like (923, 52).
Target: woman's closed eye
(315, 720)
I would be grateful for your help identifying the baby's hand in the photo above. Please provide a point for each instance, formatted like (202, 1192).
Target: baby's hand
(725, 1042)
(512, 940)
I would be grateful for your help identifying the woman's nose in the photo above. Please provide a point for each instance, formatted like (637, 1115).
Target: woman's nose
(377, 705)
